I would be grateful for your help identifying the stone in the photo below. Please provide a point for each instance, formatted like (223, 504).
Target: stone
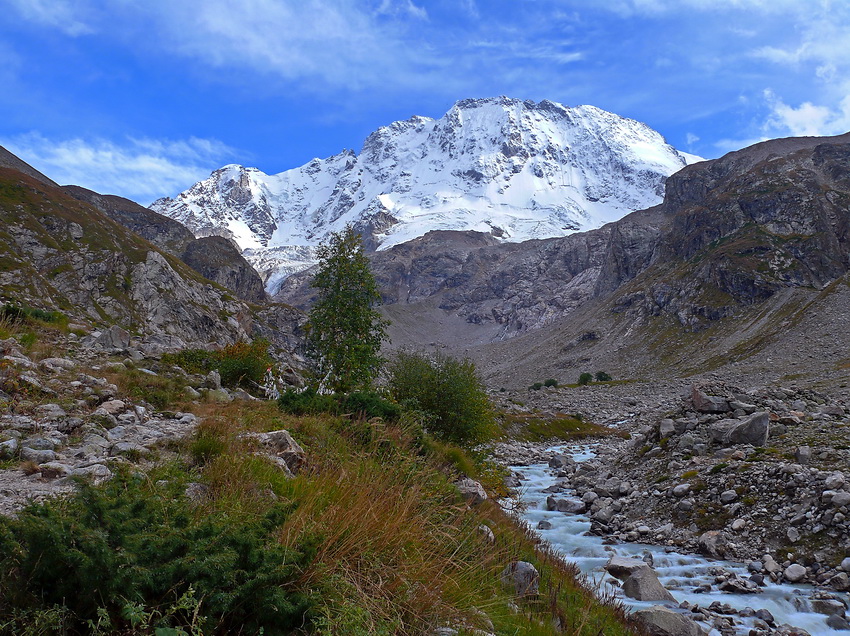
(196, 492)
(212, 381)
(834, 481)
(58, 363)
(770, 564)
(643, 585)
(739, 524)
(113, 338)
(523, 577)
(713, 544)
(219, 395)
(8, 448)
(37, 456)
(827, 606)
(487, 533)
(840, 498)
(623, 567)
(663, 621)
(560, 461)
(708, 403)
(472, 491)
(845, 564)
(54, 470)
(738, 585)
(753, 430)
(728, 496)
(793, 535)
(113, 407)
(681, 490)
(544, 525)
(666, 428)
(803, 454)
(571, 506)
(794, 573)
(838, 623)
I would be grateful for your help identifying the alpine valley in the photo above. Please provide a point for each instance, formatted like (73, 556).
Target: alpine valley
(663, 339)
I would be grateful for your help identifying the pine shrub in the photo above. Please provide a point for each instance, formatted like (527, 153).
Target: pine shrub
(128, 551)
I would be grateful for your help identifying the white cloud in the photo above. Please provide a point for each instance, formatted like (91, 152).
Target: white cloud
(69, 16)
(807, 119)
(400, 7)
(139, 169)
(691, 139)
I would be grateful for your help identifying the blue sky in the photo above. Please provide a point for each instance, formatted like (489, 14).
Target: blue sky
(144, 97)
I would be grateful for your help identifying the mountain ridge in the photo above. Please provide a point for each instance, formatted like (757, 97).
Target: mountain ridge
(516, 169)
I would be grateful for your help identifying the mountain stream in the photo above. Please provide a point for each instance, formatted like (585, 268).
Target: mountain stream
(679, 573)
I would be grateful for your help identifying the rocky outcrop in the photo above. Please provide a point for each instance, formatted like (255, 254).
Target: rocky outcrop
(215, 258)
(219, 260)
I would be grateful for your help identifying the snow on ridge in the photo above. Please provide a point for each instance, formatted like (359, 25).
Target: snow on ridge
(517, 169)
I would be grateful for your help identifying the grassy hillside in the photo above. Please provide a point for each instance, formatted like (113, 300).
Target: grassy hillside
(211, 535)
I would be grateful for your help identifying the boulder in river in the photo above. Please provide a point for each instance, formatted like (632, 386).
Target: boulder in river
(662, 621)
(643, 585)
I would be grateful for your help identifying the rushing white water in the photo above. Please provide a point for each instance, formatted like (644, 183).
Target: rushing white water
(679, 573)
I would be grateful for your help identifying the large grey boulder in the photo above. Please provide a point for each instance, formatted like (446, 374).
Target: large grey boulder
(523, 577)
(113, 338)
(708, 403)
(713, 544)
(643, 585)
(623, 567)
(795, 573)
(753, 430)
(662, 621)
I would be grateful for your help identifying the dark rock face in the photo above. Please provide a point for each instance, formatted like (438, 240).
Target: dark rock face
(216, 258)
(61, 253)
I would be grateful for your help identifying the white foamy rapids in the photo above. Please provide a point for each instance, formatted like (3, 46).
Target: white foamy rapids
(679, 573)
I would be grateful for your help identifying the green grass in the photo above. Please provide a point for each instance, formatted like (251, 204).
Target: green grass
(533, 428)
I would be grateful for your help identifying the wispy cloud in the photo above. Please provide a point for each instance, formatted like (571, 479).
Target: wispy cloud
(69, 16)
(139, 169)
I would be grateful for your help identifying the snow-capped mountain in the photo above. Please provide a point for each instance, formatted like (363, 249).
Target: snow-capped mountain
(517, 169)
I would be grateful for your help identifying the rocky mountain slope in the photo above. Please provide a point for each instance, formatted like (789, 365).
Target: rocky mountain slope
(746, 250)
(515, 169)
(59, 253)
(214, 258)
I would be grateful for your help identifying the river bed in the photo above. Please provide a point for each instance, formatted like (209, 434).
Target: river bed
(679, 573)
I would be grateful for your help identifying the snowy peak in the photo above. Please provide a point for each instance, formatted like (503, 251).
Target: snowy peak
(516, 169)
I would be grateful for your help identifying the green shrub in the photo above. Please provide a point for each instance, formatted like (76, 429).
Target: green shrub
(448, 391)
(206, 446)
(15, 313)
(536, 386)
(550, 382)
(601, 376)
(243, 364)
(131, 553)
(361, 404)
(585, 378)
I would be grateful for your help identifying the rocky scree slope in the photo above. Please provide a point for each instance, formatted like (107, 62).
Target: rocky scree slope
(60, 253)
(515, 169)
(215, 258)
(732, 474)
